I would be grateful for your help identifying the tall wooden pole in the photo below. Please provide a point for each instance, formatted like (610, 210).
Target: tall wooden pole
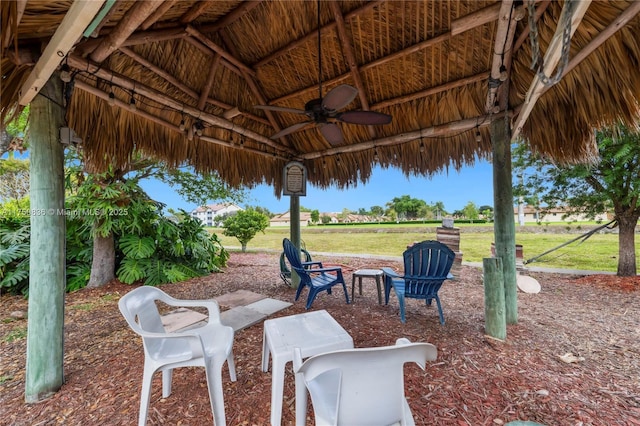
(494, 311)
(294, 215)
(504, 226)
(47, 284)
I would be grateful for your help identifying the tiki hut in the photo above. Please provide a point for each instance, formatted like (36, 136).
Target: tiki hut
(244, 88)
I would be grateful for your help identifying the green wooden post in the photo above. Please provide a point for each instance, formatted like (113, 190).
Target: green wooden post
(47, 283)
(504, 222)
(495, 323)
(294, 215)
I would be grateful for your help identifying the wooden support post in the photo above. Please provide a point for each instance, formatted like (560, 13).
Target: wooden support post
(504, 223)
(47, 284)
(294, 215)
(495, 324)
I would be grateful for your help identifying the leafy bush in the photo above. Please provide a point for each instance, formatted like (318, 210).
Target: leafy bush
(14, 254)
(170, 251)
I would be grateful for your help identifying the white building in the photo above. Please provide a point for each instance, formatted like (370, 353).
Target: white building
(531, 215)
(211, 215)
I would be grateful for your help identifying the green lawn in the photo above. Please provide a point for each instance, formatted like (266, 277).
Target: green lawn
(599, 252)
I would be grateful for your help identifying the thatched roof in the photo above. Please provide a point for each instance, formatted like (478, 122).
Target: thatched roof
(433, 65)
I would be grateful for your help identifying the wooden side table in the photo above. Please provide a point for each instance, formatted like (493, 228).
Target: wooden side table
(364, 273)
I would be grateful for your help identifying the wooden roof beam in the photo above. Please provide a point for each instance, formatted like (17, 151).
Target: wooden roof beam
(551, 59)
(137, 111)
(253, 86)
(501, 61)
(525, 33)
(468, 22)
(20, 6)
(151, 93)
(350, 58)
(314, 34)
(158, 13)
(204, 95)
(228, 19)
(219, 50)
(440, 130)
(78, 17)
(135, 16)
(196, 10)
(186, 89)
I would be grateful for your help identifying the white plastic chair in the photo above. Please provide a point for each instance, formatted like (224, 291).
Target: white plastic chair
(363, 386)
(207, 346)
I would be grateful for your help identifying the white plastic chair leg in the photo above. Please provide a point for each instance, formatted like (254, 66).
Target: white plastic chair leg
(232, 367)
(145, 394)
(216, 394)
(167, 378)
(265, 354)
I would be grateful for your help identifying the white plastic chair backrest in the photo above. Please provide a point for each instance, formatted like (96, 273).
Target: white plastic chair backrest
(362, 386)
(141, 312)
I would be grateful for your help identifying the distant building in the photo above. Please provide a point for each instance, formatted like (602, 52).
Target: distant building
(284, 219)
(211, 215)
(531, 215)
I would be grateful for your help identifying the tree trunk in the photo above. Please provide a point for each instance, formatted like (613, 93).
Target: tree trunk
(104, 261)
(626, 244)
(244, 247)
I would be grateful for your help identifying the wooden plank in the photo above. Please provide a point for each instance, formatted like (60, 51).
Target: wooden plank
(126, 26)
(78, 17)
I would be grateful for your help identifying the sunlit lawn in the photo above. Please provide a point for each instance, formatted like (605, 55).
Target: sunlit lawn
(599, 252)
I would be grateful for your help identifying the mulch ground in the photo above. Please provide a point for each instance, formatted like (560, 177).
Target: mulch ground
(572, 359)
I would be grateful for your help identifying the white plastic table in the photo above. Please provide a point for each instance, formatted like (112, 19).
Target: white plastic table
(314, 333)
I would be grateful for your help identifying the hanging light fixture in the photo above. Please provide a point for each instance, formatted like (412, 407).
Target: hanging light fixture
(182, 125)
(132, 101)
(199, 127)
(375, 154)
(478, 135)
(112, 98)
(65, 73)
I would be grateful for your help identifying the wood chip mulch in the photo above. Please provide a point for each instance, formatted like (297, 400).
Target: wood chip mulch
(572, 359)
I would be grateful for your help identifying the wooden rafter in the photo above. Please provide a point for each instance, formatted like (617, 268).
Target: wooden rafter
(525, 33)
(20, 5)
(244, 8)
(253, 86)
(428, 132)
(462, 24)
(350, 58)
(501, 60)
(204, 95)
(127, 25)
(219, 50)
(551, 59)
(186, 89)
(137, 111)
(78, 17)
(158, 13)
(144, 90)
(196, 10)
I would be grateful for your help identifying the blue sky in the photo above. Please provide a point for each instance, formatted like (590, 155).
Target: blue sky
(454, 189)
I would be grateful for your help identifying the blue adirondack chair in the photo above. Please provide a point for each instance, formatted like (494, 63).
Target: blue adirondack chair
(426, 266)
(285, 272)
(318, 278)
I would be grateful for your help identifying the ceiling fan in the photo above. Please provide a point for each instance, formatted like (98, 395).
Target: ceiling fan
(323, 112)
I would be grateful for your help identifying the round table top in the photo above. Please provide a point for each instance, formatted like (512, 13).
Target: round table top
(368, 272)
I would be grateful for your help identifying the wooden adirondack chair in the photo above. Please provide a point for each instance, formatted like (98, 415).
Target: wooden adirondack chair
(426, 266)
(318, 278)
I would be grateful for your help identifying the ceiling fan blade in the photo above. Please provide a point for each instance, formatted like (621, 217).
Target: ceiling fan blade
(280, 109)
(331, 133)
(364, 117)
(290, 129)
(339, 97)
